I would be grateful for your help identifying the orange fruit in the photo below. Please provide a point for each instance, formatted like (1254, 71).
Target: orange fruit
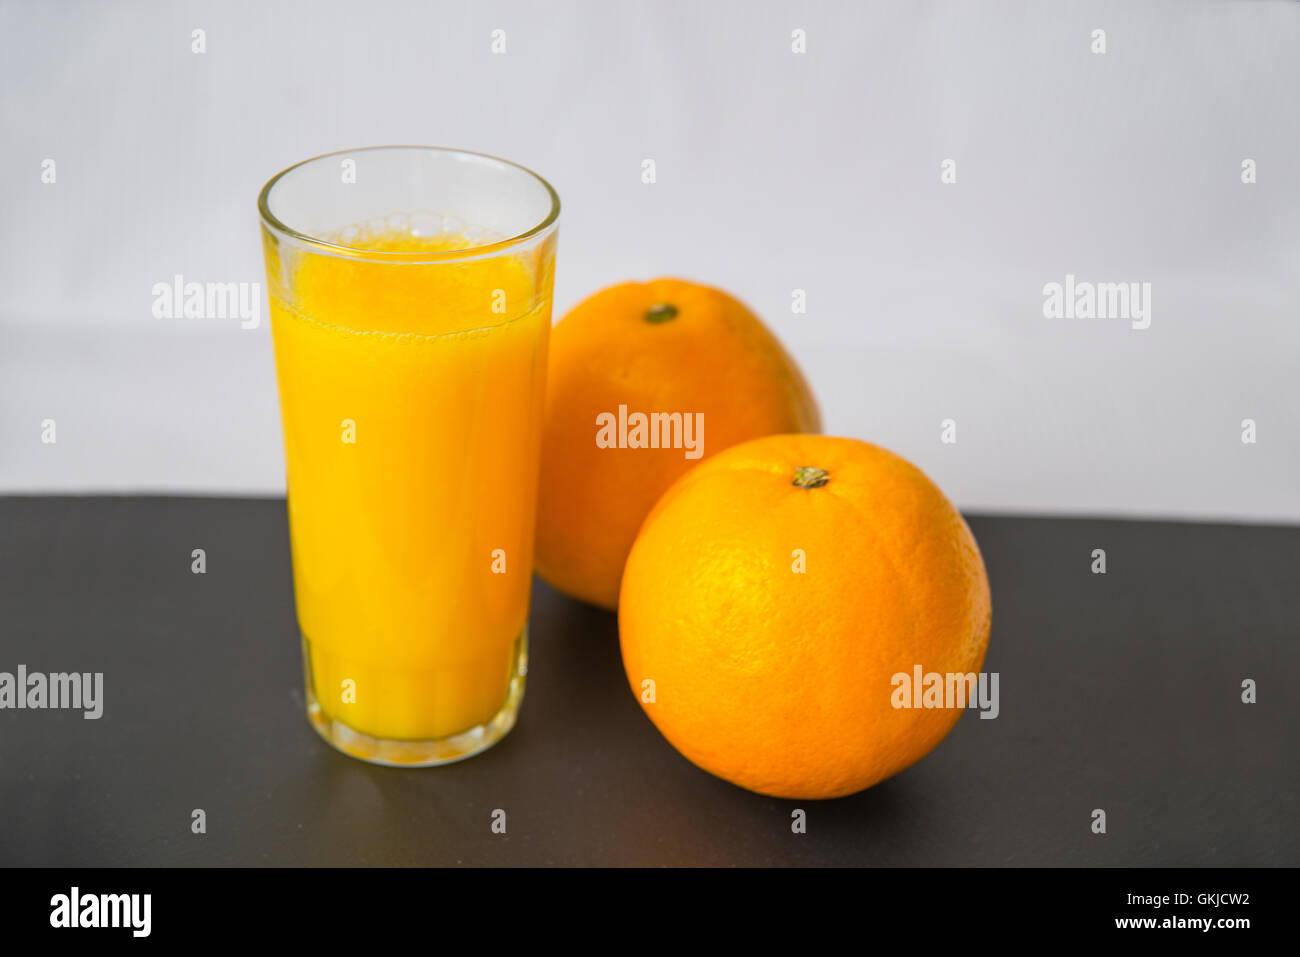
(781, 680)
(667, 346)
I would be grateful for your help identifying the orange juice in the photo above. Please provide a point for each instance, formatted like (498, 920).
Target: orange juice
(411, 394)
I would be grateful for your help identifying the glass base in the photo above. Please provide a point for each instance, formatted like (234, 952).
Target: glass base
(421, 753)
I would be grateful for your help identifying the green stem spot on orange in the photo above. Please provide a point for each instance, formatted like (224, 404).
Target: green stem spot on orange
(660, 312)
(805, 476)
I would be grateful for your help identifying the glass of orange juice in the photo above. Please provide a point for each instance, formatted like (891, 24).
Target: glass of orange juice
(410, 294)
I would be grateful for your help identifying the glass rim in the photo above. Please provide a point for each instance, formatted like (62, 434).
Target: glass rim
(276, 225)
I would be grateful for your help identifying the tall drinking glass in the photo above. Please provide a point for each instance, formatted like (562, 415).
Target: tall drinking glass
(410, 294)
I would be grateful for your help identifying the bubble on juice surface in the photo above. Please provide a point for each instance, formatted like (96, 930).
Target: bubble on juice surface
(421, 231)
(409, 295)
(425, 223)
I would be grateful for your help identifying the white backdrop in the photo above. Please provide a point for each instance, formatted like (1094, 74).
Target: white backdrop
(776, 171)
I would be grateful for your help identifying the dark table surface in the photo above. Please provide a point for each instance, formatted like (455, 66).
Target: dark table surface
(1119, 691)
